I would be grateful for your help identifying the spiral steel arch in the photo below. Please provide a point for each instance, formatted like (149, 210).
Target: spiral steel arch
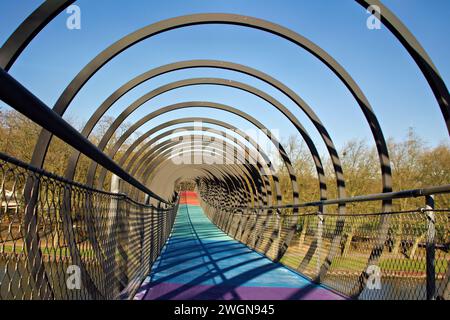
(186, 120)
(50, 9)
(171, 145)
(152, 153)
(196, 104)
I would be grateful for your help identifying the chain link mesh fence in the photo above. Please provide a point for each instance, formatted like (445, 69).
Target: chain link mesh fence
(63, 240)
(341, 251)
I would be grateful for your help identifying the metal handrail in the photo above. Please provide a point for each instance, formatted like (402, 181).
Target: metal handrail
(21, 99)
(413, 193)
(42, 172)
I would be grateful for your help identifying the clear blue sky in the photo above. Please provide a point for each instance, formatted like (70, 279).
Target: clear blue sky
(374, 58)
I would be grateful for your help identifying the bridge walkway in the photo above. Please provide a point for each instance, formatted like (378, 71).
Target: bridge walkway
(201, 262)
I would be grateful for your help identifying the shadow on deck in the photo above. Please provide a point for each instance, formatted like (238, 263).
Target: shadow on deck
(200, 262)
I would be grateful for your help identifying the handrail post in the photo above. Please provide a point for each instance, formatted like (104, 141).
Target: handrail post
(319, 236)
(160, 227)
(123, 230)
(152, 236)
(430, 248)
(114, 213)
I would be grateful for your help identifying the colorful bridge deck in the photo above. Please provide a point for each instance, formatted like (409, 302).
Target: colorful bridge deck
(200, 262)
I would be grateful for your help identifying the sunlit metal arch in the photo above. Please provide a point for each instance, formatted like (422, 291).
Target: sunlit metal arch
(197, 104)
(215, 172)
(260, 182)
(199, 19)
(152, 153)
(140, 139)
(205, 120)
(28, 29)
(162, 126)
(267, 183)
(418, 53)
(228, 66)
(143, 151)
(227, 83)
(255, 184)
(159, 27)
(45, 13)
(393, 24)
(148, 154)
(231, 170)
(166, 147)
(421, 58)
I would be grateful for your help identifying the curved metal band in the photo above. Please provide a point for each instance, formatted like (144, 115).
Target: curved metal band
(170, 144)
(28, 29)
(418, 53)
(150, 155)
(162, 126)
(166, 154)
(199, 19)
(169, 147)
(194, 104)
(237, 171)
(234, 67)
(220, 82)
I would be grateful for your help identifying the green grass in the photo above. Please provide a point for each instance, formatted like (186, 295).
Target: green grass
(357, 264)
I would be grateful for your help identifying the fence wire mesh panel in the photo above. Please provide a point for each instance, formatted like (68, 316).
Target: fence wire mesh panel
(63, 240)
(341, 251)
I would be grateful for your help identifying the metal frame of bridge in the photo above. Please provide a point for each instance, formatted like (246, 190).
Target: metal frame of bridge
(226, 191)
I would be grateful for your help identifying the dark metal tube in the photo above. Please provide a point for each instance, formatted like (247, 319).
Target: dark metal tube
(20, 98)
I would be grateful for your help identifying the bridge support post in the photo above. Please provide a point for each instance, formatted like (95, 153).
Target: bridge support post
(430, 248)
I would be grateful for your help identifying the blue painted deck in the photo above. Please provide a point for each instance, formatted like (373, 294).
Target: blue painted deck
(200, 262)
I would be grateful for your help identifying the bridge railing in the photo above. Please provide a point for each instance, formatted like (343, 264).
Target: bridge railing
(73, 242)
(343, 251)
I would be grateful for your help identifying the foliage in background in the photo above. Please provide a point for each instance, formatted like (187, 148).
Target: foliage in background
(414, 164)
